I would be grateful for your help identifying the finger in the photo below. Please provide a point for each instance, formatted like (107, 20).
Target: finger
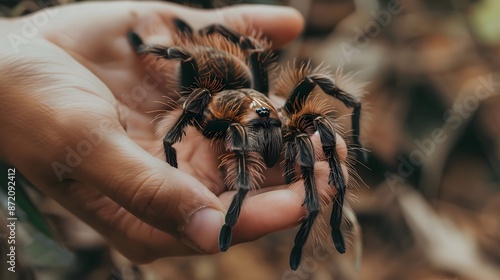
(136, 240)
(145, 186)
(279, 24)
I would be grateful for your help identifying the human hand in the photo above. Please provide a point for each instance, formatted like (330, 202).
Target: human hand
(74, 121)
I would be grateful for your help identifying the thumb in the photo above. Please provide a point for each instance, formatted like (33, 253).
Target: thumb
(150, 189)
(64, 119)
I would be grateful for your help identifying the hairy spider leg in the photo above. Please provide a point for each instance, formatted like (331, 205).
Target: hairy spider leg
(192, 112)
(336, 178)
(305, 159)
(237, 141)
(259, 58)
(248, 144)
(304, 89)
(197, 100)
(302, 150)
(325, 128)
(290, 153)
(292, 106)
(189, 67)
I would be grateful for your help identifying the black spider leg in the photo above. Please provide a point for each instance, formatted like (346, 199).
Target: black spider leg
(195, 103)
(304, 88)
(290, 160)
(237, 142)
(259, 58)
(192, 112)
(189, 67)
(305, 159)
(293, 105)
(328, 141)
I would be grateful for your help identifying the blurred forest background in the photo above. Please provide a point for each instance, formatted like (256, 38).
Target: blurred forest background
(429, 200)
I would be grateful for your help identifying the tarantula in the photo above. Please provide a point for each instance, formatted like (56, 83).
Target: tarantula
(224, 88)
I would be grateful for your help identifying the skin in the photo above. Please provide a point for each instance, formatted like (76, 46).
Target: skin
(77, 76)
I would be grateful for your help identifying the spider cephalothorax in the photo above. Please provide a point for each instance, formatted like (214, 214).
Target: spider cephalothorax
(224, 89)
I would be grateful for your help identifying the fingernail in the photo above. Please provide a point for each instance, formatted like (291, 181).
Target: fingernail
(203, 228)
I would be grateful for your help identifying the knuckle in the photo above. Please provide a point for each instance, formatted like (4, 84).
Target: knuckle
(159, 201)
(145, 196)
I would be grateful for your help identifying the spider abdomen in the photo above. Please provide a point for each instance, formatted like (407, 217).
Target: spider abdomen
(225, 68)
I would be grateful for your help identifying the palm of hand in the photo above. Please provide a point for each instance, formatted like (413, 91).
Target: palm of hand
(135, 88)
(95, 36)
